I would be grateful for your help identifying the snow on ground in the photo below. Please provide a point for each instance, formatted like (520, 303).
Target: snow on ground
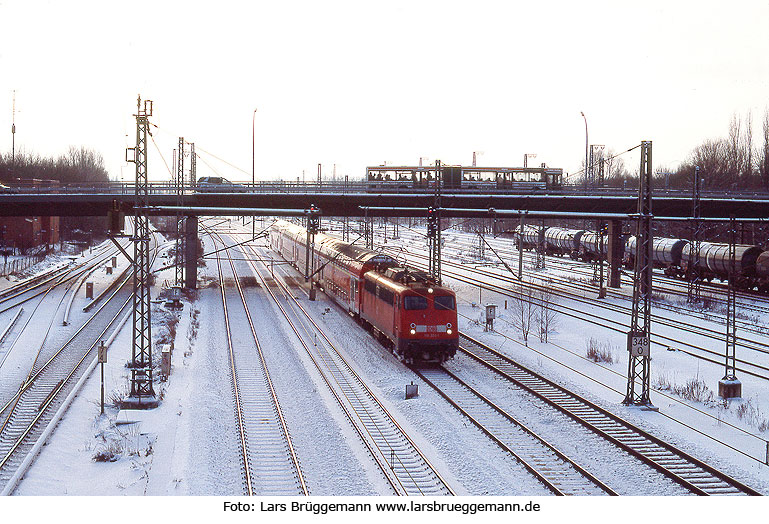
(187, 446)
(567, 347)
(41, 319)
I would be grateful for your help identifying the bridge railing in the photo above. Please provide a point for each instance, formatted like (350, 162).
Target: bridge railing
(165, 187)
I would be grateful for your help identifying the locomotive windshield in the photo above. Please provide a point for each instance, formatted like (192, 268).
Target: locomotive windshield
(444, 302)
(414, 302)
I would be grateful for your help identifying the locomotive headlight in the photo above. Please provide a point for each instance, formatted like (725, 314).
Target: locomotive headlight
(429, 290)
(448, 324)
(449, 332)
(413, 331)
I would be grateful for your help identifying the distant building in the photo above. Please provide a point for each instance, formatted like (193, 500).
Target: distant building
(25, 233)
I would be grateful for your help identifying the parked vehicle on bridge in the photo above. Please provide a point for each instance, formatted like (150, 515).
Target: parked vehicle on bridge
(412, 315)
(217, 184)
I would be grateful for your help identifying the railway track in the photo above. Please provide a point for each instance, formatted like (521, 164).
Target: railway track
(560, 474)
(24, 417)
(404, 466)
(662, 283)
(25, 291)
(682, 468)
(268, 461)
(744, 366)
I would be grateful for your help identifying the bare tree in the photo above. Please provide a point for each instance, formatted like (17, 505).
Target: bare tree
(734, 157)
(763, 155)
(615, 172)
(747, 147)
(546, 316)
(524, 310)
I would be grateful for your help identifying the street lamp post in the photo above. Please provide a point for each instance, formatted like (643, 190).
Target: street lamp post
(253, 166)
(526, 158)
(586, 147)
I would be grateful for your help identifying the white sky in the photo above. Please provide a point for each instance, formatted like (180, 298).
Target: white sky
(359, 83)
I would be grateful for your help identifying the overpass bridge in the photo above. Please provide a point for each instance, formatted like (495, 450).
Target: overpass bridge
(354, 202)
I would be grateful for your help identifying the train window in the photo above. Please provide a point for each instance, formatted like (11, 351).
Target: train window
(369, 286)
(386, 295)
(444, 302)
(413, 302)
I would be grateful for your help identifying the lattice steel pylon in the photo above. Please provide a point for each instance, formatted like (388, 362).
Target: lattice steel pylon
(639, 336)
(434, 228)
(368, 231)
(730, 367)
(142, 393)
(694, 281)
(193, 165)
(481, 243)
(179, 186)
(540, 262)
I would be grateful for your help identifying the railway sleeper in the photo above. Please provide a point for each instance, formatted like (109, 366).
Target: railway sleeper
(703, 479)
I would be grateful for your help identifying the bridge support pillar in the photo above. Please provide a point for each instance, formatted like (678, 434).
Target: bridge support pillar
(191, 252)
(616, 251)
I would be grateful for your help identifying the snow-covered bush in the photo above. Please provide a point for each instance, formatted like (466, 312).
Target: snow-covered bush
(696, 390)
(600, 351)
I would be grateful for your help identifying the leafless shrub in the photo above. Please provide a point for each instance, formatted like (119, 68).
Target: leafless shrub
(108, 452)
(695, 390)
(752, 415)
(116, 397)
(662, 382)
(600, 352)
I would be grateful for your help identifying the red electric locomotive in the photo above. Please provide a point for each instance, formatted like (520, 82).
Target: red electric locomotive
(416, 318)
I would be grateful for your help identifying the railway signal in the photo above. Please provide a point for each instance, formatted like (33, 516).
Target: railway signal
(313, 226)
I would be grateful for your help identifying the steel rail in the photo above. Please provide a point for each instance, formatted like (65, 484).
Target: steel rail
(69, 274)
(400, 478)
(51, 396)
(600, 321)
(246, 467)
(547, 463)
(684, 469)
(275, 404)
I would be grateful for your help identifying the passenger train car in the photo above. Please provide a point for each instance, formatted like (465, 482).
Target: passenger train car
(413, 316)
(468, 178)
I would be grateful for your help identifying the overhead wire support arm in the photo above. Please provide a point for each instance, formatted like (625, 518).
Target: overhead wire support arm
(518, 276)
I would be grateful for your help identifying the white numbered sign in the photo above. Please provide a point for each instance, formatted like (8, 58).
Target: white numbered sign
(639, 346)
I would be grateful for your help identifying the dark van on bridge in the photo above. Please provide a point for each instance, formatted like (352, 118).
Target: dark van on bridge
(217, 184)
